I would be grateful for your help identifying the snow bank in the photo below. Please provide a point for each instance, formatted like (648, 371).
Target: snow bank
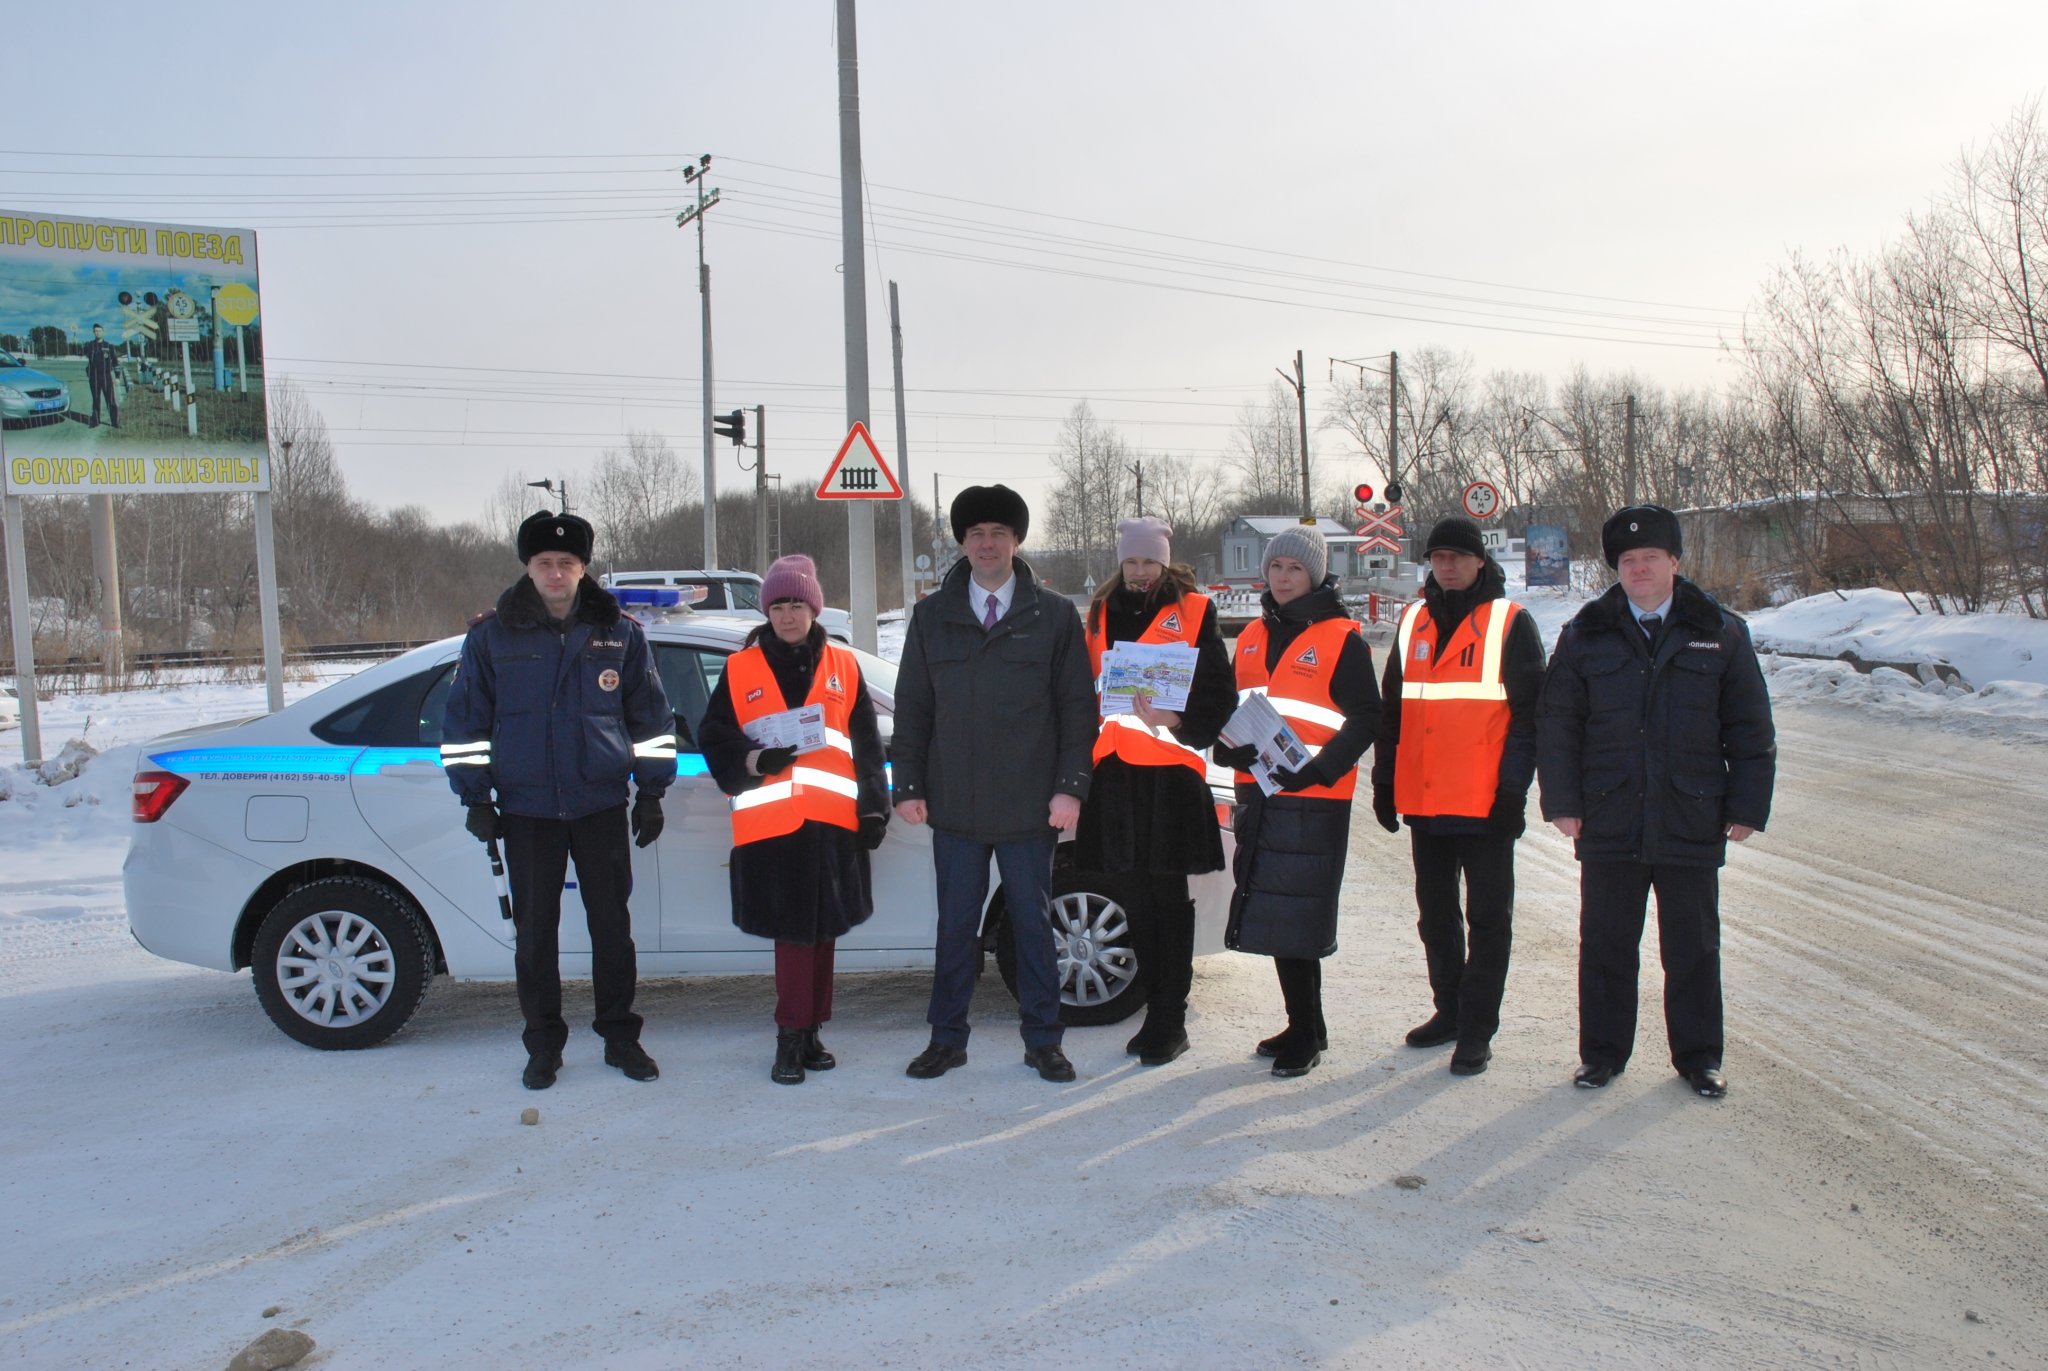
(1885, 626)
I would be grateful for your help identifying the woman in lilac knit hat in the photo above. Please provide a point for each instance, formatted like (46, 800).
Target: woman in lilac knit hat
(803, 822)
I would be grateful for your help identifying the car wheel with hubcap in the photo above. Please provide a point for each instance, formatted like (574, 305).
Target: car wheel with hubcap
(1091, 933)
(342, 962)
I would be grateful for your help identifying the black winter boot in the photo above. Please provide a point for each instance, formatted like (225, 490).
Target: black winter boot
(1176, 980)
(789, 1057)
(816, 1058)
(1297, 1051)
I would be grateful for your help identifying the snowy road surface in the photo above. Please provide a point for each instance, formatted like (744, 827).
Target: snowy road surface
(1870, 1194)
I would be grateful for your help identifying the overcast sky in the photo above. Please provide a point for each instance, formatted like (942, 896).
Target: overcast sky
(1150, 206)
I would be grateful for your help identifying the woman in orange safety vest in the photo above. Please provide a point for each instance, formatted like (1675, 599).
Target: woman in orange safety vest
(803, 823)
(1150, 818)
(1307, 657)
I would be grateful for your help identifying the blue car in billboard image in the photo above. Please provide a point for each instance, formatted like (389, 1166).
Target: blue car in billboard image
(28, 396)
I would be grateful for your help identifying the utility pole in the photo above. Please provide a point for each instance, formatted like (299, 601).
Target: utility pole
(761, 488)
(1394, 418)
(906, 508)
(695, 176)
(1300, 384)
(860, 514)
(1628, 454)
(1138, 470)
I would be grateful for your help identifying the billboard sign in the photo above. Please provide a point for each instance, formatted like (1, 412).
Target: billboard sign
(1546, 556)
(130, 358)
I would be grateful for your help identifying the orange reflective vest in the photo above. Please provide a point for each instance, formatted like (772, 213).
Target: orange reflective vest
(1123, 735)
(818, 785)
(1454, 711)
(1300, 690)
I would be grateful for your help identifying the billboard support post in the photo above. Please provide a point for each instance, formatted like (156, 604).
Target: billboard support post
(24, 634)
(266, 594)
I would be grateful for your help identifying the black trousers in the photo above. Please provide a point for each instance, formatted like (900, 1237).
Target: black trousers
(537, 854)
(1466, 973)
(104, 390)
(1612, 899)
(1301, 986)
(1163, 937)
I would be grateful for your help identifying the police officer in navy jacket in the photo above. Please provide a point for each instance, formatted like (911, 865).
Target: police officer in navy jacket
(554, 706)
(1655, 748)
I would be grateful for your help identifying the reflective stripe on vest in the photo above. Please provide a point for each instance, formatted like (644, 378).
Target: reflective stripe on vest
(1454, 712)
(1125, 735)
(818, 785)
(1300, 693)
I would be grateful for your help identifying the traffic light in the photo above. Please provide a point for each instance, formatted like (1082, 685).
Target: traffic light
(1393, 492)
(733, 426)
(1363, 494)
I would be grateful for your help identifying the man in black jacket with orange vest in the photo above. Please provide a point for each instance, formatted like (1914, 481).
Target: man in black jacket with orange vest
(1456, 754)
(1655, 747)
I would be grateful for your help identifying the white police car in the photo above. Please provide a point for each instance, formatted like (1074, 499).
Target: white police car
(321, 847)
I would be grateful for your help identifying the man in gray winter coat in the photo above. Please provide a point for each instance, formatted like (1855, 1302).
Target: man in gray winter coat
(995, 724)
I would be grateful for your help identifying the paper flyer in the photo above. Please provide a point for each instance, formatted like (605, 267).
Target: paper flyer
(802, 728)
(1257, 724)
(1164, 671)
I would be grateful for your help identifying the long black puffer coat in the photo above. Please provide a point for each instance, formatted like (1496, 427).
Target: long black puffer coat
(1656, 749)
(1291, 848)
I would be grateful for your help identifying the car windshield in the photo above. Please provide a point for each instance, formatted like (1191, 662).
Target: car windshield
(744, 594)
(8, 359)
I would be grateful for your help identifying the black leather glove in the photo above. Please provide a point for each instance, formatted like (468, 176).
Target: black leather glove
(1507, 814)
(1291, 781)
(482, 820)
(872, 829)
(1236, 758)
(774, 759)
(1383, 808)
(647, 819)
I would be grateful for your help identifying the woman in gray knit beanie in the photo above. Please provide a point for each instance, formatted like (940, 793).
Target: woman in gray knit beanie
(1306, 655)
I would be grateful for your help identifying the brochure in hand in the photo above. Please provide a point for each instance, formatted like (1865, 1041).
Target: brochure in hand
(1163, 671)
(1257, 724)
(802, 728)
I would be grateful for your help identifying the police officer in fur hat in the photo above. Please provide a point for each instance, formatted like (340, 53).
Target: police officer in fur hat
(555, 705)
(1655, 749)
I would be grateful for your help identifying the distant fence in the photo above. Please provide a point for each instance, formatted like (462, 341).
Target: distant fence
(145, 663)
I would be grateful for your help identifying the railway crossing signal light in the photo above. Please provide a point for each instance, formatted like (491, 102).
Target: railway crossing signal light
(733, 426)
(1363, 494)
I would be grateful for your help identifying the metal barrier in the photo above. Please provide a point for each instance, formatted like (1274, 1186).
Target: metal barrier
(145, 662)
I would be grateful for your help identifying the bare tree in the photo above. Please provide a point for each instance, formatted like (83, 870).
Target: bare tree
(1265, 452)
(1093, 488)
(634, 494)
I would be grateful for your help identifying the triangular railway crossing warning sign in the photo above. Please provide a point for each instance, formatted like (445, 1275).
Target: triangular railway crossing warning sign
(858, 472)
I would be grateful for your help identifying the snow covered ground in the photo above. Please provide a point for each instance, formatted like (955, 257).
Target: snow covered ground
(172, 1168)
